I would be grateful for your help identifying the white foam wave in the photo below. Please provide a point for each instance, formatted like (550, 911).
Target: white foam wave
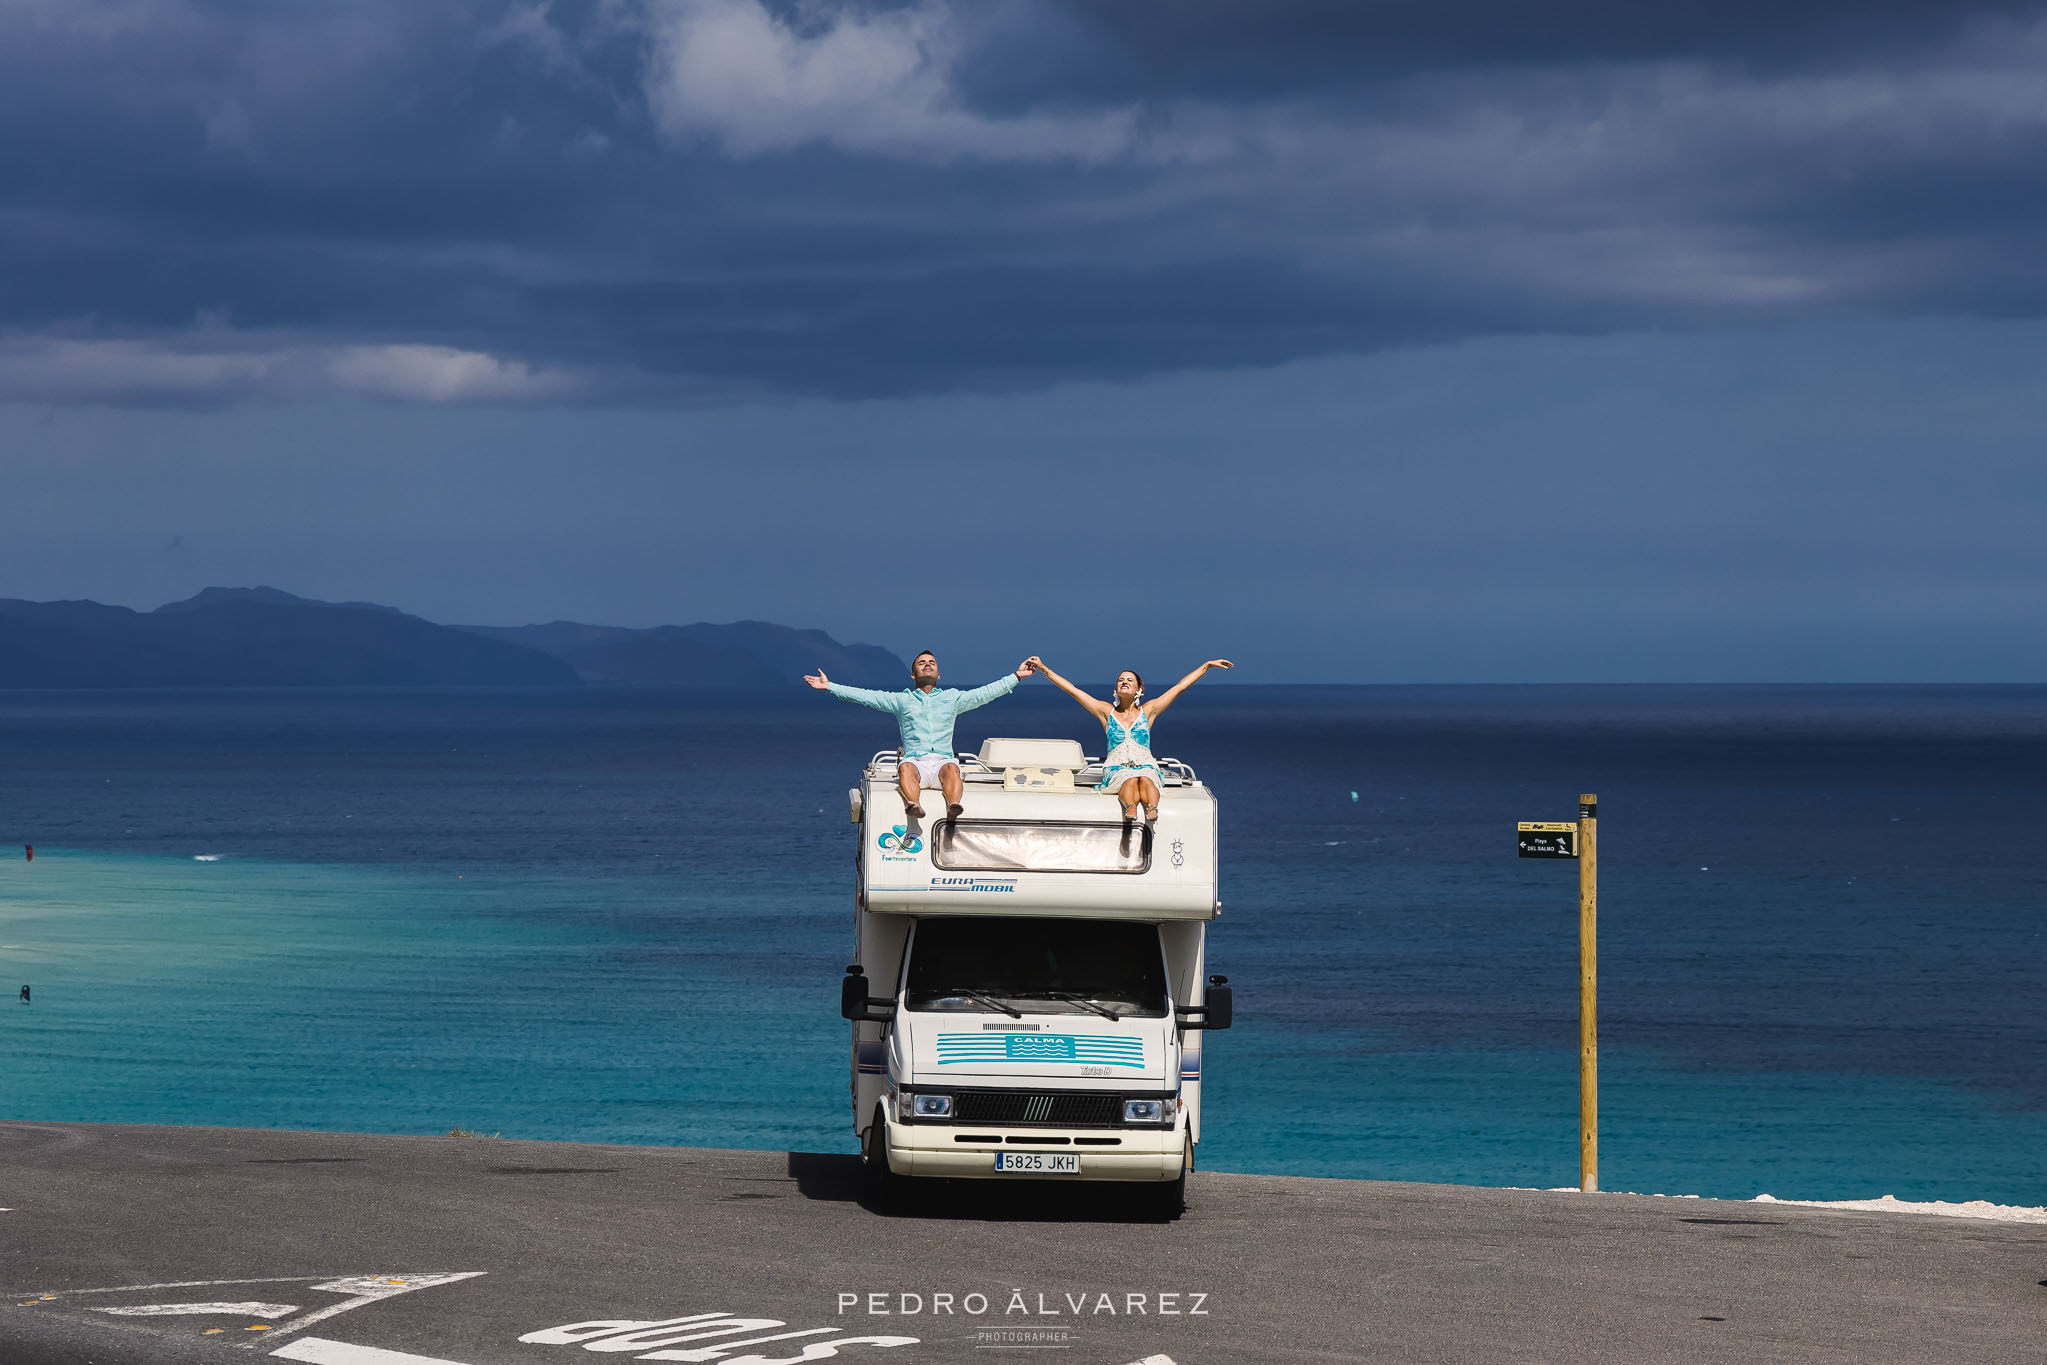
(1973, 1208)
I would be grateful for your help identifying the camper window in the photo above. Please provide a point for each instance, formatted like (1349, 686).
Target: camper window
(1005, 846)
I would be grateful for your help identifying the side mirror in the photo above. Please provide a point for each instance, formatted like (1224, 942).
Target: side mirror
(853, 994)
(1221, 1005)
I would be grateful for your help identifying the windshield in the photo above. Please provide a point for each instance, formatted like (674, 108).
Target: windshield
(1037, 966)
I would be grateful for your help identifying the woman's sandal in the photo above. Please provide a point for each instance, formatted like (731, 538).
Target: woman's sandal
(1151, 812)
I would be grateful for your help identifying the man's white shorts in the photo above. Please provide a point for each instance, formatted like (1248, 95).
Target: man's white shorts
(929, 766)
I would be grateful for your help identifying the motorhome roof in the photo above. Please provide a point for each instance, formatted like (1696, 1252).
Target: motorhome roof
(1038, 848)
(1175, 775)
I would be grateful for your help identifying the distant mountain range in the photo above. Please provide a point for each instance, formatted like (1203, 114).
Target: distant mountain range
(261, 637)
(742, 654)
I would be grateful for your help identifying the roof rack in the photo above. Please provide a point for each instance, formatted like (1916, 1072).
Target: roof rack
(1172, 772)
(1175, 772)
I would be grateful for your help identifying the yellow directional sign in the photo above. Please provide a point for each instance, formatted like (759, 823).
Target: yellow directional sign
(1547, 838)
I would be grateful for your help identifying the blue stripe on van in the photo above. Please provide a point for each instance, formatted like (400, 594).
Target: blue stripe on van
(1039, 1047)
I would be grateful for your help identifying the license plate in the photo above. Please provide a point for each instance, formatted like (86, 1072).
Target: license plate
(1039, 1163)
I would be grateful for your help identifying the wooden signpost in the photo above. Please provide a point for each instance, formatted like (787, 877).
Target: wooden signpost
(1579, 839)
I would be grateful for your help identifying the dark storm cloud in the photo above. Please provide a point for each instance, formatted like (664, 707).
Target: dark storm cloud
(1283, 46)
(497, 200)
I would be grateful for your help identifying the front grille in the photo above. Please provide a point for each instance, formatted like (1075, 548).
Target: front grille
(1021, 1107)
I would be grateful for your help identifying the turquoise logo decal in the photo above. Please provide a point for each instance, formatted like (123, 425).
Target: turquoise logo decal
(899, 840)
(954, 1048)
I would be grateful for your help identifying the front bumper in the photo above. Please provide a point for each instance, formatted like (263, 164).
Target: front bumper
(952, 1152)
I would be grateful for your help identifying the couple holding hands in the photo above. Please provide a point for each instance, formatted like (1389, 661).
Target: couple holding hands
(926, 713)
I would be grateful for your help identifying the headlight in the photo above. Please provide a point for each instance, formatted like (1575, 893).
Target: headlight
(931, 1106)
(1147, 1111)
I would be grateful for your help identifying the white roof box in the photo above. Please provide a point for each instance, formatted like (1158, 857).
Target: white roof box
(1000, 755)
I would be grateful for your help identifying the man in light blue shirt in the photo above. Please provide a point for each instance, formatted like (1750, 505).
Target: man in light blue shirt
(926, 712)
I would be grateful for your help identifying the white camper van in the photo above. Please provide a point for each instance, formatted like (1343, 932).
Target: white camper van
(1028, 992)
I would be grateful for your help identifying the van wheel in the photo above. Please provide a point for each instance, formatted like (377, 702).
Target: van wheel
(881, 1188)
(1171, 1197)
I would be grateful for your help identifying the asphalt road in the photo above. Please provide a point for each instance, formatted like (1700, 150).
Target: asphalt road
(162, 1246)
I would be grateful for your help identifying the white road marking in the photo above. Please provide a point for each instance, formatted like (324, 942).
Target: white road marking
(726, 1348)
(246, 1308)
(384, 1286)
(649, 1337)
(189, 1284)
(569, 1334)
(369, 1289)
(362, 1289)
(1154, 1360)
(320, 1351)
(620, 1335)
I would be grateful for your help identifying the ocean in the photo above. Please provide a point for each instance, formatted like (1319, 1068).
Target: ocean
(621, 915)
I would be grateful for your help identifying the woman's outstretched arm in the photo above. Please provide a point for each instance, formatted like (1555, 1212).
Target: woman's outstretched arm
(1093, 704)
(1167, 697)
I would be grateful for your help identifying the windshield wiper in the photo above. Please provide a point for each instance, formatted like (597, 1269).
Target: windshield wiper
(1086, 1004)
(983, 999)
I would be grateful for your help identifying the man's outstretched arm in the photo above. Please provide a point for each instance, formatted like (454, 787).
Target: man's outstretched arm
(892, 702)
(1001, 687)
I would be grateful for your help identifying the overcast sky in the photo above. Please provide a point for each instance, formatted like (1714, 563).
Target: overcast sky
(1480, 340)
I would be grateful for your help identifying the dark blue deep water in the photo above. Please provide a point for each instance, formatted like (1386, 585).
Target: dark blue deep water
(621, 915)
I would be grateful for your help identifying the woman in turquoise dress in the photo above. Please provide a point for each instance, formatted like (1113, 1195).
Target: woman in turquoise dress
(1128, 768)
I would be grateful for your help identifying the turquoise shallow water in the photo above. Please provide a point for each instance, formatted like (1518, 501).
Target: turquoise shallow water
(1509, 1117)
(259, 994)
(252, 993)
(618, 916)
